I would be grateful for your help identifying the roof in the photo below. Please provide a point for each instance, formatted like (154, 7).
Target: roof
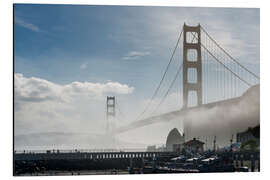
(254, 131)
(174, 137)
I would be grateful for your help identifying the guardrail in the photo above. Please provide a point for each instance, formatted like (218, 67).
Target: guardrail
(87, 151)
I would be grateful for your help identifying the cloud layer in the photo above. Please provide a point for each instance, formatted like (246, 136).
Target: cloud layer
(50, 111)
(43, 106)
(36, 90)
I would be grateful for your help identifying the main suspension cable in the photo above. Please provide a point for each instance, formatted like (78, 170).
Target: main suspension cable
(224, 65)
(162, 79)
(256, 76)
(170, 87)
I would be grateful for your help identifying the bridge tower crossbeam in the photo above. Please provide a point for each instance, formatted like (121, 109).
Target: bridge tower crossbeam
(110, 112)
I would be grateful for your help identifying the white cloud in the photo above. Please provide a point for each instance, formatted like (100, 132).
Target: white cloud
(43, 111)
(44, 106)
(35, 89)
(136, 55)
(23, 23)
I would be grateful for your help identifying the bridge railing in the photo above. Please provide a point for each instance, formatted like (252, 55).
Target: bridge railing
(87, 150)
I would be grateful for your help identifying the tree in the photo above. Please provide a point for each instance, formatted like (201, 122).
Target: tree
(249, 145)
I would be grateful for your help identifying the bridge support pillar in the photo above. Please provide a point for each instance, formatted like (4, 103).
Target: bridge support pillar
(142, 162)
(130, 168)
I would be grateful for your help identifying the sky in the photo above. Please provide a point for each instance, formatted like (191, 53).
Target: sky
(68, 58)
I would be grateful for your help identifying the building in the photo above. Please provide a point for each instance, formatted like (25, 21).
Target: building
(194, 146)
(250, 136)
(174, 140)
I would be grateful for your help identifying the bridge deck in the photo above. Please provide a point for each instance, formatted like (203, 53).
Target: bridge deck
(173, 114)
(91, 155)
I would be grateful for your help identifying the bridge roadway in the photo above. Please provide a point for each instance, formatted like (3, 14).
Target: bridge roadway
(224, 104)
(173, 114)
(84, 155)
(78, 155)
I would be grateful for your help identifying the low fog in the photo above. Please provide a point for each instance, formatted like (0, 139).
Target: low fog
(219, 119)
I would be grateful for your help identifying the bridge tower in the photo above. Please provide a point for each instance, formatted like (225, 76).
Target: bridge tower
(110, 113)
(191, 44)
(196, 63)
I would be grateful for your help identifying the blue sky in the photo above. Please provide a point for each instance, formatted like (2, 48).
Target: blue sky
(54, 41)
(69, 36)
(57, 45)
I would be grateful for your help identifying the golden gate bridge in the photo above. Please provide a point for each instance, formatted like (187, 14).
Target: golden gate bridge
(208, 76)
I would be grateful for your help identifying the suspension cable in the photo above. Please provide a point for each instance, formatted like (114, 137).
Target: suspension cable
(170, 87)
(256, 76)
(224, 65)
(120, 112)
(163, 76)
